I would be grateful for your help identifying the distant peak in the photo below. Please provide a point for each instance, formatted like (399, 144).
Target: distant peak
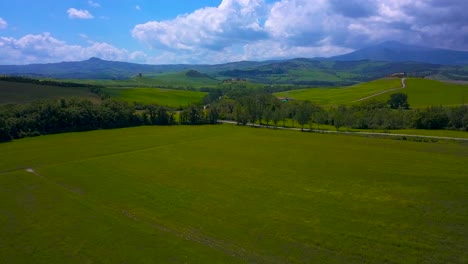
(95, 59)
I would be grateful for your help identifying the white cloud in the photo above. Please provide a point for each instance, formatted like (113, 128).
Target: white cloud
(138, 7)
(79, 14)
(255, 29)
(93, 4)
(43, 48)
(212, 28)
(3, 23)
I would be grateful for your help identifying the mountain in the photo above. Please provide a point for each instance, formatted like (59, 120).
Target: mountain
(95, 68)
(398, 52)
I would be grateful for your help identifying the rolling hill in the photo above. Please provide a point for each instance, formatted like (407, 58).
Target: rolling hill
(421, 93)
(166, 97)
(398, 52)
(17, 92)
(362, 65)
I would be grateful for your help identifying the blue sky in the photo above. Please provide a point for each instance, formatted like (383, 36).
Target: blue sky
(216, 31)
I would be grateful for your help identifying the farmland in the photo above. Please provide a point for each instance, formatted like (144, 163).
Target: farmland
(165, 97)
(425, 92)
(15, 92)
(229, 194)
(342, 95)
(421, 93)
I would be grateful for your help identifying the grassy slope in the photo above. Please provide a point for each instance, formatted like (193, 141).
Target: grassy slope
(295, 197)
(179, 79)
(157, 96)
(342, 95)
(14, 92)
(426, 92)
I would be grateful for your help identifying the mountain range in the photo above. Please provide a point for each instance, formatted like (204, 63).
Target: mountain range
(361, 65)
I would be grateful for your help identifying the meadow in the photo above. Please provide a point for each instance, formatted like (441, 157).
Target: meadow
(421, 93)
(166, 97)
(230, 194)
(342, 95)
(15, 92)
(426, 92)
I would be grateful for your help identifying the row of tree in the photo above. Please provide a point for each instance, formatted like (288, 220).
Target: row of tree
(263, 108)
(70, 115)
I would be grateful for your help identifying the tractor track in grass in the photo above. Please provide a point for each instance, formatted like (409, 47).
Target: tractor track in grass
(230, 249)
(403, 86)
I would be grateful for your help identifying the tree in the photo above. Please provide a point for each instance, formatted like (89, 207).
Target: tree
(304, 112)
(398, 100)
(213, 114)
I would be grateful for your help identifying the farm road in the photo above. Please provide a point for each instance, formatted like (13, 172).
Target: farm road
(350, 132)
(403, 86)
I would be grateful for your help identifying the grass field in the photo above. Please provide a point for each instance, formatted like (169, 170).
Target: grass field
(421, 93)
(15, 92)
(342, 95)
(158, 96)
(228, 194)
(426, 92)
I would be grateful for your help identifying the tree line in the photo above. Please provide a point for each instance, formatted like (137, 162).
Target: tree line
(72, 115)
(264, 108)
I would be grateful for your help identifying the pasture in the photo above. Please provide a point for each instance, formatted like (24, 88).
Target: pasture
(166, 97)
(16, 92)
(342, 95)
(426, 92)
(421, 93)
(229, 194)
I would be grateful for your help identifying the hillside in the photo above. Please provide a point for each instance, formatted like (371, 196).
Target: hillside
(342, 95)
(421, 93)
(425, 92)
(300, 71)
(17, 92)
(398, 52)
(166, 97)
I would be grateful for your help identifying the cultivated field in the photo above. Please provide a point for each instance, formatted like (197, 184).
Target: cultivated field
(158, 96)
(426, 92)
(15, 92)
(421, 93)
(228, 194)
(342, 95)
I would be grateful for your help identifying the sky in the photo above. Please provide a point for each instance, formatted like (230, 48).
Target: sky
(218, 31)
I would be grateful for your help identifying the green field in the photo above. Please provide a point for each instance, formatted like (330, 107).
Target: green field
(166, 80)
(229, 194)
(15, 92)
(342, 95)
(421, 93)
(426, 92)
(158, 96)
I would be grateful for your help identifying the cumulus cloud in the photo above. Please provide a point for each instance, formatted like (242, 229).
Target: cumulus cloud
(212, 28)
(79, 14)
(253, 29)
(44, 48)
(3, 23)
(138, 7)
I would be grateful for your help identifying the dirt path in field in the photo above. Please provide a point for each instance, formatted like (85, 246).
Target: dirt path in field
(403, 86)
(349, 132)
(188, 233)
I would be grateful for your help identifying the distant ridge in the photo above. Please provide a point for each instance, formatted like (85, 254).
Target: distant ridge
(397, 52)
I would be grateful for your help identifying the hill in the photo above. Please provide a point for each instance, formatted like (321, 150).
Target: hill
(421, 93)
(166, 195)
(166, 97)
(425, 92)
(17, 92)
(398, 52)
(342, 95)
(300, 71)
